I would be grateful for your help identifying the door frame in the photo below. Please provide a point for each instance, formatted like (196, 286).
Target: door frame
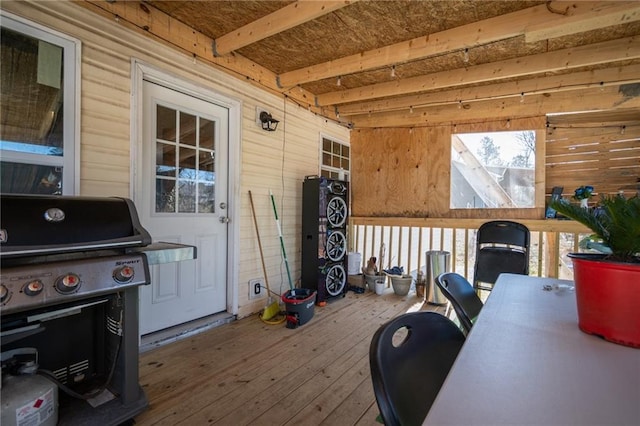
(143, 71)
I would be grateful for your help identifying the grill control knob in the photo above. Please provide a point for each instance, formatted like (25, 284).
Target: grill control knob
(4, 293)
(123, 274)
(33, 288)
(68, 283)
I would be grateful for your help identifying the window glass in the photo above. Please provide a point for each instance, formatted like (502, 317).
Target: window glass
(335, 159)
(493, 170)
(37, 109)
(185, 162)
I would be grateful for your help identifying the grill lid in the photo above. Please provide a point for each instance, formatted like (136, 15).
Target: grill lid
(32, 225)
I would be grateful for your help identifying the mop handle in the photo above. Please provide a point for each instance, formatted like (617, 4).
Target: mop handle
(284, 252)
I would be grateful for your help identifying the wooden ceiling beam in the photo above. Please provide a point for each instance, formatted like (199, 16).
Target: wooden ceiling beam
(565, 59)
(145, 19)
(522, 88)
(535, 21)
(506, 109)
(573, 20)
(281, 20)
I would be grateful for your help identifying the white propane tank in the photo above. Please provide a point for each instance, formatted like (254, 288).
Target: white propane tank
(28, 399)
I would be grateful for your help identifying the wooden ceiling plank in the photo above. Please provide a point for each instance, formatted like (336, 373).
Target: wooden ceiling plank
(504, 109)
(602, 15)
(576, 81)
(564, 59)
(475, 34)
(148, 20)
(281, 20)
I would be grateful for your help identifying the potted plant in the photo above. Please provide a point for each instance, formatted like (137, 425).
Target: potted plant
(583, 194)
(608, 283)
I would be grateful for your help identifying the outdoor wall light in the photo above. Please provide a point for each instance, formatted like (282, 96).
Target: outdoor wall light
(268, 123)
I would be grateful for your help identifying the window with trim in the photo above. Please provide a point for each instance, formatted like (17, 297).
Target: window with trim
(493, 170)
(335, 162)
(38, 109)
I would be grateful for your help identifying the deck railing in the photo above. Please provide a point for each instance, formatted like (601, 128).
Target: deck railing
(404, 242)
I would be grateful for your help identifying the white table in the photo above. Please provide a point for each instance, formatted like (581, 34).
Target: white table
(526, 362)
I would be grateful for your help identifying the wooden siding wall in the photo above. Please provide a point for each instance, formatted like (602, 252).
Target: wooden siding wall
(604, 155)
(269, 160)
(405, 172)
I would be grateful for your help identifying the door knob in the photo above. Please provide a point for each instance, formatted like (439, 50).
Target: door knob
(224, 219)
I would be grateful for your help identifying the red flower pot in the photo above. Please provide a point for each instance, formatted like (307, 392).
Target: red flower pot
(608, 298)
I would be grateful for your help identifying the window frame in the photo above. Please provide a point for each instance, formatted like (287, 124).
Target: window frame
(344, 174)
(535, 124)
(70, 160)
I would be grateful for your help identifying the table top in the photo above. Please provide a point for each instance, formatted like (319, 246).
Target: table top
(526, 362)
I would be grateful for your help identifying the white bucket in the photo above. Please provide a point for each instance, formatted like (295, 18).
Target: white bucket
(379, 287)
(354, 263)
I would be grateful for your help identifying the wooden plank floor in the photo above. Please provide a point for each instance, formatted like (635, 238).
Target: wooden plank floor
(247, 372)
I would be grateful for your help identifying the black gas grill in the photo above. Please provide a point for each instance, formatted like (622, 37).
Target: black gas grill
(69, 302)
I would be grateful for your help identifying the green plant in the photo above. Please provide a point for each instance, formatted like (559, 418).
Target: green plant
(584, 192)
(615, 220)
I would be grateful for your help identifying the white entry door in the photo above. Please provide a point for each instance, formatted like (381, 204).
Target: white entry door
(182, 197)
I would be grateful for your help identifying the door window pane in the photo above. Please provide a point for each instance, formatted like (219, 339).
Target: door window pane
(166, 123)
(187, 163)
(190, 159)
(206, 197)
(207, 133)
(187, 129)
(165, 196)
(187, 196)
(165, 159)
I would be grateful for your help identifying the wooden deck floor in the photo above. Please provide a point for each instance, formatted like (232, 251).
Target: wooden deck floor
(247, 372)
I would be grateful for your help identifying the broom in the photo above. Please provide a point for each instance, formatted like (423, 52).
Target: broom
(284, 252)
(272, 309)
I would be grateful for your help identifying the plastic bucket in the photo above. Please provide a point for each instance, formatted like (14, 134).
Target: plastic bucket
(299, 306)
(380, 286)
(354, 262)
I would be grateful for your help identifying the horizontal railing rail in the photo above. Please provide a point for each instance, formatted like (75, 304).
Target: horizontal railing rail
(405, 241)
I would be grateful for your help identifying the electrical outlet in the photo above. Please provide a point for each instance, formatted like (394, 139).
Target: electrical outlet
(256, 289)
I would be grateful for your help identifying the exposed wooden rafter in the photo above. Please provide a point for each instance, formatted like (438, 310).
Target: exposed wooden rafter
(144, 18)
(565, 59)
(522, 89)
(283, 19)
(535, 23)
(534, 106)
(521, 86)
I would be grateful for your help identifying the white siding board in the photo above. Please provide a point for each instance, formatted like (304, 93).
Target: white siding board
(107, 51)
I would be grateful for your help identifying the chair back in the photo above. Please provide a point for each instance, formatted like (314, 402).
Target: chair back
(410, 357)
(462, 296)
(501, 246)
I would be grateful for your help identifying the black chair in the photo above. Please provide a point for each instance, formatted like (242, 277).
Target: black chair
(408, 369)
(501, 246)
(463, 298)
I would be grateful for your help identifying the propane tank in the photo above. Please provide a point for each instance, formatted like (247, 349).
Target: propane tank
(28, 399)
